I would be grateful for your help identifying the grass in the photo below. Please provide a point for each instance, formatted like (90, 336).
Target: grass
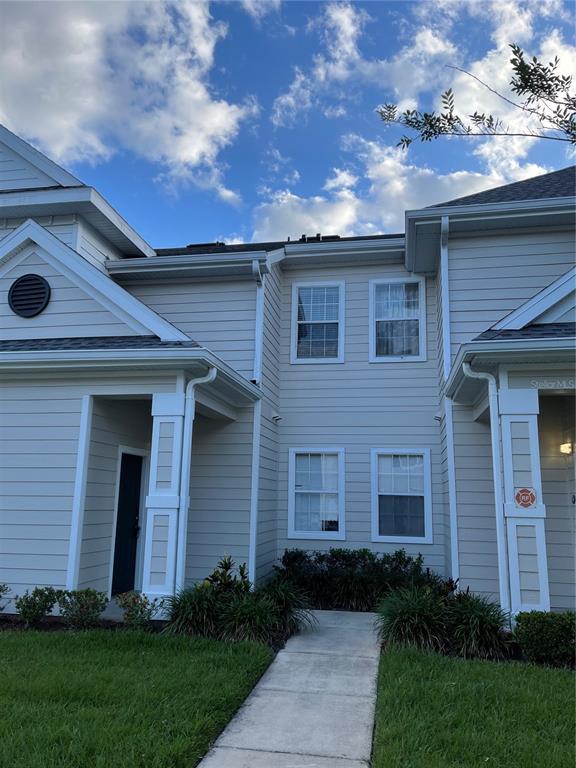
(125, 699)
(439, 712)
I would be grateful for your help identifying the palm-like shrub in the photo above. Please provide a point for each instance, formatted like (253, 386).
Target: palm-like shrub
(292, 605)
(476, 627)
(194, 611)
(251, 617)
(413, 616)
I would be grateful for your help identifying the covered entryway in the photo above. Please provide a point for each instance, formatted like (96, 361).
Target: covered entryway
(128, 513)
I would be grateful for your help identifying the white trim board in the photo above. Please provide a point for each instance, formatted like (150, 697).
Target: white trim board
(541, 303)
(127, 308)
(38, 160)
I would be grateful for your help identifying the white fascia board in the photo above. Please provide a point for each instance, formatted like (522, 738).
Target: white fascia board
(95, 283)
(199, 265)
(115, 359)
(505, 350)
(543, 301)
(79, 199)
(38, 159)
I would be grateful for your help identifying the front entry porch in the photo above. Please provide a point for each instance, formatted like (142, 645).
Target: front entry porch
(155, 488)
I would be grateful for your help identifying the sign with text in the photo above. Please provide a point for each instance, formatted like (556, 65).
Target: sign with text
(525, 497)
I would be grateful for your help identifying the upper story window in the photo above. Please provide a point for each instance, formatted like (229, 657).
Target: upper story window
(401, 496)
(397, 319)
(316, 493)
(317, 323)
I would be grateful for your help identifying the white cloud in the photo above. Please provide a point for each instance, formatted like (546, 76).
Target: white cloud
(258, 9)
(126, 75)
(340, 179)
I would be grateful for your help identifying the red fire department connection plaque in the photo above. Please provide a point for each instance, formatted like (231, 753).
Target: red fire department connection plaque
(525, 497)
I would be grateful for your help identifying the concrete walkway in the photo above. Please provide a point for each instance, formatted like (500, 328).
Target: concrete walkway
(314, 707)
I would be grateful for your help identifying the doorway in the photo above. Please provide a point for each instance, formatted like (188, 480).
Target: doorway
(128, 523)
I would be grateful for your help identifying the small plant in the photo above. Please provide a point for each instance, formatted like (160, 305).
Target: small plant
(476, 627)
(36, 605)
(413, 616)
(194, 611)
(547, 638)
(81, 608)
(138, 609)
(251, 617)
(4, 590)
(224, 579)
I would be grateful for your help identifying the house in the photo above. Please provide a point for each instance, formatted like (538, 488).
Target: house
(163, 407)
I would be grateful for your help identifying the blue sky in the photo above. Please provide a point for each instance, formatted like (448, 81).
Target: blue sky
(255, 120)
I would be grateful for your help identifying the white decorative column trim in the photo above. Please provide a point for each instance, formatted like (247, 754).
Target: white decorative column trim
(163, 499)
(78, 502)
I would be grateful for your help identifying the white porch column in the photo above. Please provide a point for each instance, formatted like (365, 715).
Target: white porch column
(163, 499)
(524, 509)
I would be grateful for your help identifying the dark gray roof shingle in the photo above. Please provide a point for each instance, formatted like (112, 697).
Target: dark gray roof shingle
(90, 343)
(544, 331)
(556, 184)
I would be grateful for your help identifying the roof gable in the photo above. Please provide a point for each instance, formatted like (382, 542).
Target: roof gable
(554, 304)
(23, 167)
(31, 241)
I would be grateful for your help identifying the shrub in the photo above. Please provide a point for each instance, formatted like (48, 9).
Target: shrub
(4, 589)
(476, 627)
(224, 579)
(36, 605)
(81, 608)
(547, 638)
(194, 611)
(354, 579)
(252, 616)
(138, 609)
(413, 616)
(292, 605)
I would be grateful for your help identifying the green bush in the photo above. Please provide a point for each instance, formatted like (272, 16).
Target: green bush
(354, 579)
(225, 607)
(4, 590)
(81, 608)
(476, 627)
(194, 611)
(413, 616)
(36, 605)
(292, 605)
(547, 638)
(138, 609)
(251, 616)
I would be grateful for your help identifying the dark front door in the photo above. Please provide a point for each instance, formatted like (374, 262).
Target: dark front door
(127, 523)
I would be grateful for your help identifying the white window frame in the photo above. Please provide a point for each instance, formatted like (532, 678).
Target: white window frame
(339, 535)
(294, 359)
(428, 536)
(373, 357)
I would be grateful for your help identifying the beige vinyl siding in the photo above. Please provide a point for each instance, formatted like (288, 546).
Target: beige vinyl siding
(267, 533)
(95, 248)
(357, 405)
(556, 425)
(220, 315)
(220, 485)
(114, 423)
(17, 173)
(64, 227)
(490, 276)
(39, 432)
(70, 311)
(475, 503)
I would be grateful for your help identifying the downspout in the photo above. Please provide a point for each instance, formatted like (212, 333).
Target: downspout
(184, 505)
(495, 431)
(257, 422)
(448, 405)
(259, 323)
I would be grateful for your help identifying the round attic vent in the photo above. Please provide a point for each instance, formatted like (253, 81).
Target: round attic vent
(29, 295)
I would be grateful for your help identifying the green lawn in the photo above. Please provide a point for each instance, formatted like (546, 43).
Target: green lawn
(439, 712)
(103, 699)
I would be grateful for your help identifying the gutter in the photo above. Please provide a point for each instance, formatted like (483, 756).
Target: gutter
(496, 435)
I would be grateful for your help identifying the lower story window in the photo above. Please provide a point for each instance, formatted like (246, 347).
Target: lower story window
(316, 502)
(401, 496)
